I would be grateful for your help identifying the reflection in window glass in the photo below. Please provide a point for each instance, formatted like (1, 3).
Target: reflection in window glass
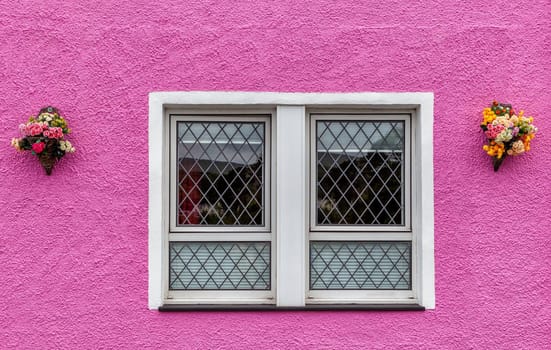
(360, 265)
(359, 179)
(220, 265)
(220, 173)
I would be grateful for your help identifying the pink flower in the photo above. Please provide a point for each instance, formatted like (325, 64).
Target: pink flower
(33, 129)
(494, 130)
(54, 133)
(38, 147)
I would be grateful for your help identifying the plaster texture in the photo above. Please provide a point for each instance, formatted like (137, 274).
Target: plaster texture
(73, 246)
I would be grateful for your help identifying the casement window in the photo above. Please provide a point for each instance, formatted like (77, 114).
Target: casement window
(290, 200)
(220, 239)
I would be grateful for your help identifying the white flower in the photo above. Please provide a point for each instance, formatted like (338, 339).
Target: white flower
(45, 117)
(15, 143)
(517, 148)
(66, 147)
(504, 136)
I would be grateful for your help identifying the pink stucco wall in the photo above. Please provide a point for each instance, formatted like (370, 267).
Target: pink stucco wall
(73, 246)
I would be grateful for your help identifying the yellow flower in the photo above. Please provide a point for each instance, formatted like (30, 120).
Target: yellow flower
(494, 149)
(489, 116)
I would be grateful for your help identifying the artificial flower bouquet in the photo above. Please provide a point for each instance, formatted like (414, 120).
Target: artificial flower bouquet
(43, 136)
(508, 134)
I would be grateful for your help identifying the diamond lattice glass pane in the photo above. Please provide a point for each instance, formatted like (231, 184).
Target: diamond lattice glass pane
(220, 173)
(360, 178)
(220, 266)
(360, 265)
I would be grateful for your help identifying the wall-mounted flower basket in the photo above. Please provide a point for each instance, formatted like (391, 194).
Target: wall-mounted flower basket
(44, 137)
(508, 134)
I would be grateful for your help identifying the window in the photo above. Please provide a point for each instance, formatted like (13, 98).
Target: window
(290, 200)
(360, 233)
(220, 237)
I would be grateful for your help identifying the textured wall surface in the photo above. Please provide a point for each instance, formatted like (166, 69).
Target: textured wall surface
(73, 246)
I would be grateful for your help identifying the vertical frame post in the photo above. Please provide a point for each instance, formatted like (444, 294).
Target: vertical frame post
(291, 170)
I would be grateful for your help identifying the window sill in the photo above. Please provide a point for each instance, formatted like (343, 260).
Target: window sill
(349, 307)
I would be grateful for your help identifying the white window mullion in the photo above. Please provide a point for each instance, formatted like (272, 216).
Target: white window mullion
(291, 170)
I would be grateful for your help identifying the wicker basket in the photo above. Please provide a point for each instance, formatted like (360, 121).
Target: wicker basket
(48, 156)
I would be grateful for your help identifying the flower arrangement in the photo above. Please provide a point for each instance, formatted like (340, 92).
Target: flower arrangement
(43, 136)
(508, 134)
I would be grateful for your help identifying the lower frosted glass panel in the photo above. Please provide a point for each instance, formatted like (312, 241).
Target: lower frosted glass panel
(220, 266)
(360, 265)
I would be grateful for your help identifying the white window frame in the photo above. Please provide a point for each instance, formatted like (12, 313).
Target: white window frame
(372, 233)
(290, 224)
(220, 234)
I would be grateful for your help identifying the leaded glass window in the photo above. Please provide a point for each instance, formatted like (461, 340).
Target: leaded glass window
(360, 236)
(220, 175)
(360, 265)
(220, 190)
(219, 266)
(346, 179)
(359, 172)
